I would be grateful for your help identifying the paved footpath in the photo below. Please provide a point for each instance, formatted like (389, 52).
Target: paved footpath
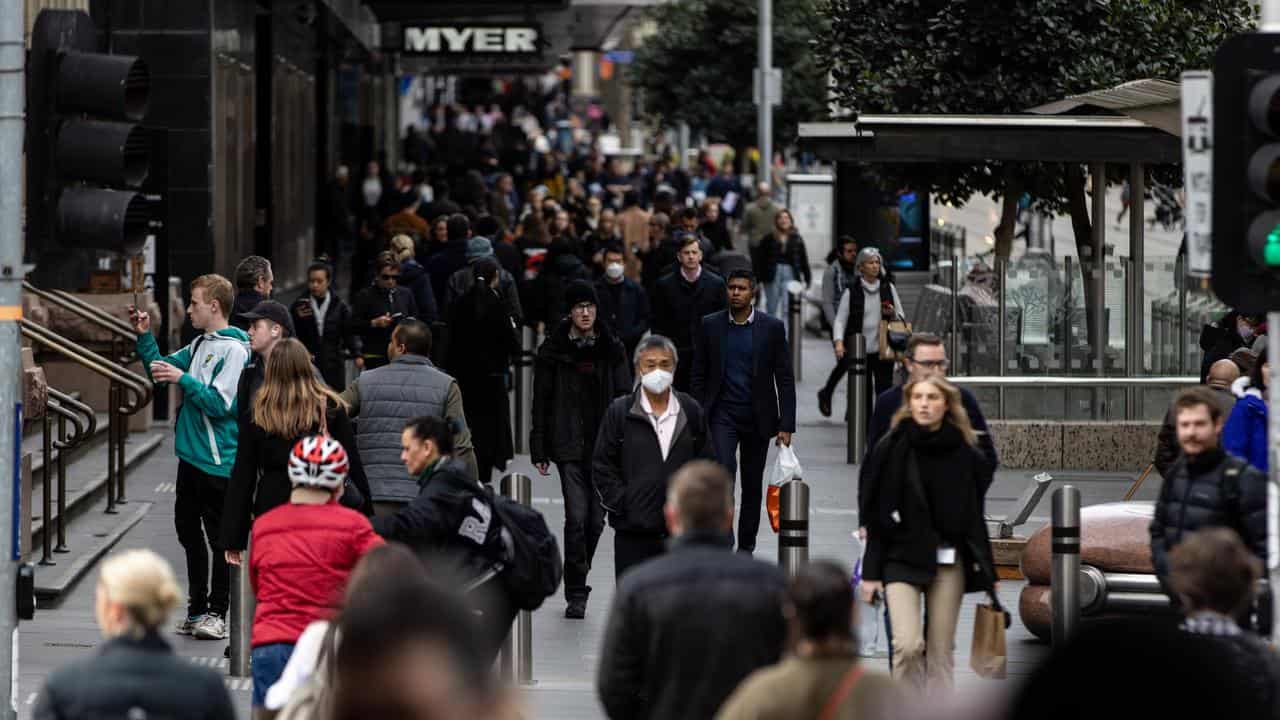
(566, 652)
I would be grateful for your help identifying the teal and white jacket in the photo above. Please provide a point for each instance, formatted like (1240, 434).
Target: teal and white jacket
(205, 435)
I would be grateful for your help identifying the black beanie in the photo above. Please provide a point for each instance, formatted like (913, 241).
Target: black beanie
(579, 292)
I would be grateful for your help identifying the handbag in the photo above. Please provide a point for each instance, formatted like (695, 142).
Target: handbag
(894, 335)
(988, 656)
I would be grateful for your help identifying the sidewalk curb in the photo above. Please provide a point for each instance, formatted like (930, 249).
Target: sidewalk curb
(48, 590)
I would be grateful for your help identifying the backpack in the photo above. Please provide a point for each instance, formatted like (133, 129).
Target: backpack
(532, 567)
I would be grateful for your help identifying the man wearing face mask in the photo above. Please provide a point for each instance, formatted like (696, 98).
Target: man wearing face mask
(645, 437)
(1219, 339)
(624, 304)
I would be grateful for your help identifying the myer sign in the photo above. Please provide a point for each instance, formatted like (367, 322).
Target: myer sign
(460, 40)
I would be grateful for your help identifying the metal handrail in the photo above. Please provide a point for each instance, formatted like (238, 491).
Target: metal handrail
(84, 429)
(1069, 381)
(84, 310)
(140, 387)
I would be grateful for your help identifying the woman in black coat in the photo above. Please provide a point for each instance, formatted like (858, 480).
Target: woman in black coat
(780, 259)
(482, 339)
(291, 404)
(921, 498)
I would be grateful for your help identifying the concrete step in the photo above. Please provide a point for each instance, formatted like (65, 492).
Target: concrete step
(94, 535)
(33, 443)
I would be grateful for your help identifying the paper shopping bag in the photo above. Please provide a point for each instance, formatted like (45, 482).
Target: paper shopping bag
(988, 656)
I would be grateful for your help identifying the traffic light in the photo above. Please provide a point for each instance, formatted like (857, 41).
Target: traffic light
(86, 153)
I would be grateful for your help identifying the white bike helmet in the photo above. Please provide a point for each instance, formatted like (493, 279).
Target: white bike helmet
(318, 461)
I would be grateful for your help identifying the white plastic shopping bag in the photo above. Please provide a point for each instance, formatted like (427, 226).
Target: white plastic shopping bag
(786, 467)
(872, 642)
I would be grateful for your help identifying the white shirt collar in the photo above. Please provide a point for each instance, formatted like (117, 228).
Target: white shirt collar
(696, 275)
(750, 318)
(673, 406)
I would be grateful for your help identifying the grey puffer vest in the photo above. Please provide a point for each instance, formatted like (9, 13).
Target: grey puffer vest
(390, 396)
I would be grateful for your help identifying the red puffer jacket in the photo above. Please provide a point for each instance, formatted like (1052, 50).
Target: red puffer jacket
(299, 559)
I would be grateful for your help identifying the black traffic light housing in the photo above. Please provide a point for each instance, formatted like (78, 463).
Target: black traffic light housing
(86, 152)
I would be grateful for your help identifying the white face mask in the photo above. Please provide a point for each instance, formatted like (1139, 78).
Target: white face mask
(1245, 329)
(656, 381)
(613, 270)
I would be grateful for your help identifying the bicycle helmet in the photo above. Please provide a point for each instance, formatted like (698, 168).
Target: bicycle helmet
(318, 461)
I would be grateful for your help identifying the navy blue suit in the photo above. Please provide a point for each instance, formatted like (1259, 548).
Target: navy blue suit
(766, 404)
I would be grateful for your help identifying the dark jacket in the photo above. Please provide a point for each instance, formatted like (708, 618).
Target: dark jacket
(414, 278)
(130, 676)
(1167, 450)
(718, 233)
(448, 501)
(1218, 340)
(918, 490)
(630, 475)
(510, 258)
(445, 262)
(546, 292)
(482, 340)
(327, 349)
(558, 434)
(773, 386)
(260, 478)
(686, 628)
(890, 400)
(460, 284)
(245, 301)
(679, 305)
(374, 302)
(629, 315)
(1213, 490)
(770, 254)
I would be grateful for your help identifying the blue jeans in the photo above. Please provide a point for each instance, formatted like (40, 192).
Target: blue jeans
(776, 297)
(267, 663)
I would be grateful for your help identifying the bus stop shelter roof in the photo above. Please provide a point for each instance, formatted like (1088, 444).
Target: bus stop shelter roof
(973, 138)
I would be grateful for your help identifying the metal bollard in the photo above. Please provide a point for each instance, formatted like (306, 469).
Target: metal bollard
(1064, 580)
(793, 527)
(522, 387)
(46, 489)
(795, 330)
(517, 650)
(240, 618)
(857, 415)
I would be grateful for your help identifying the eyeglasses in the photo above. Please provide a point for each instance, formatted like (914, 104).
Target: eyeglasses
(930, 364)
(390, 276)
(584, 307)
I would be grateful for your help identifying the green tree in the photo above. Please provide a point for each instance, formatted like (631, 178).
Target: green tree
(697, 67)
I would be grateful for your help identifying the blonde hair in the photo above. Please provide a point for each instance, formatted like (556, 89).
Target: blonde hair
(291, 400)
(956, 414)
(402, 247)
(143, 583)
(216, 288)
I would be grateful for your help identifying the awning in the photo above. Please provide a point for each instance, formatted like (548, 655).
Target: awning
(1154, 102)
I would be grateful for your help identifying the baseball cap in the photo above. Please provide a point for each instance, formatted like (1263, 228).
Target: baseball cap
(273, 311)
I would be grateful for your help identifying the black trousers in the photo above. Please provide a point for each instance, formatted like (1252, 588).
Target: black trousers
(197, 517)
(879, 377)
(632, 548)
(732, 437)
(583, 523)
(494, 615)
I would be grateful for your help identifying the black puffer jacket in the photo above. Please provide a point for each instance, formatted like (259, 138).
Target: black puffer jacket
(561, 371)
(1212, 490)
(628, 469)
(134, 678)
(687, 628)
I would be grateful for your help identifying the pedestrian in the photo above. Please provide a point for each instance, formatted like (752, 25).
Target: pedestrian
(504, 201)
(580, 368)
(1219, 339)
(406, 220)
(1222, 375)
(644, 438)
(596, 243)
(1214, 576)
(1245, 433)
(436, 241)
(660, 254)
(758, 219)
(269, 323)
(379, 308)
(408, 650)
(301, 552)
(291, 403)
(687, 627)
(926, 485)
(841, 273)
(324, 324)
(821, 677)
(561, 268)
(208, 372)
(414, 278)
(254, 282)
(384, 399)
(479, 248)
(451, 518)
(452, 257)
(743, 380)
(713, 226)
(863, 306)
(783, 258)
(682, 298)
(134, 673)
(482, 340)
(1206, 487)
(624, 305)
(633, 223)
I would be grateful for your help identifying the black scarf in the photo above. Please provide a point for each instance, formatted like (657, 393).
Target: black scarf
(929, 485)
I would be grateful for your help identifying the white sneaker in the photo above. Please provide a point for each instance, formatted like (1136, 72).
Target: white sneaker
(210, 627)
(188, 624)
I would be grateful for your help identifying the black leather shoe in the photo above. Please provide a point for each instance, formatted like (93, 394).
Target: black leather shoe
(824, 404)
(577, 609)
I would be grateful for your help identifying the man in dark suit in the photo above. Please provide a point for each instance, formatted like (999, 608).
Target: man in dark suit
(742, 376)
(681, 299)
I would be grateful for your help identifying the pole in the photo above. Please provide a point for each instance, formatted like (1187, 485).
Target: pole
(1273, 487)
(46, 489)
(240, 617)
(1002, 276)
(764, 117)
(954, 357)
(1270, 16)
(12, 104)
(795, 311)
(523, 385)
(61, 547)
(517, 650)
(1068, 279)
(1064, 578)
(1097, 290)
(1180, 278)
(793, 527)
(856, 417)
(683, 145)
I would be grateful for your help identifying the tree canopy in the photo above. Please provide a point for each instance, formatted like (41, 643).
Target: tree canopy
(697, 67)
